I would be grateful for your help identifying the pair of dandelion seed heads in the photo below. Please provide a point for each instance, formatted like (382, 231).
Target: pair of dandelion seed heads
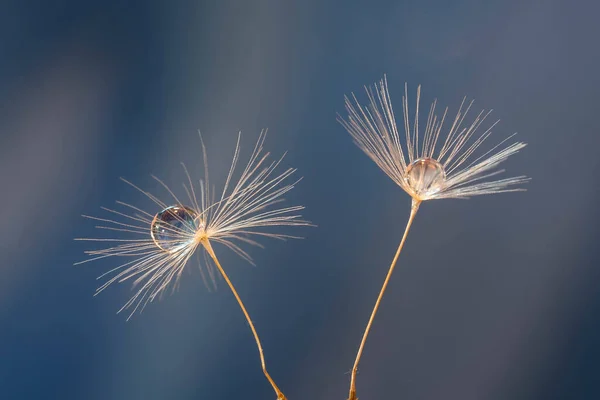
(426, 166)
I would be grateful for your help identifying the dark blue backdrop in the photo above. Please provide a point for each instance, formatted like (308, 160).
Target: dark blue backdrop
(496, 297)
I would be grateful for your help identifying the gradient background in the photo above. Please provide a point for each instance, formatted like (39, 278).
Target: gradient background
(497, 297)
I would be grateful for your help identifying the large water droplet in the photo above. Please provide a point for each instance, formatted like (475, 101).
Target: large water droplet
(174, 227)
(426, 177)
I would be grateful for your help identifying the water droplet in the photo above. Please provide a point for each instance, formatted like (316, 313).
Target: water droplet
(426, 177)
(174, 227)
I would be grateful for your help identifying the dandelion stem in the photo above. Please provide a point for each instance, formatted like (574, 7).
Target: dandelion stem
(208, 247)
(413, 213)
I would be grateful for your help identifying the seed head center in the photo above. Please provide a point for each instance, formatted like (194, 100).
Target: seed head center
(425, 177)
(175, 227)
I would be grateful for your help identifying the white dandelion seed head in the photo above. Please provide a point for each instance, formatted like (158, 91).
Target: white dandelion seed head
(164, 241)
(431, 165)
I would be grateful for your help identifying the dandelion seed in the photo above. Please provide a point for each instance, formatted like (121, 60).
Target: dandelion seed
(426, 168)
(423, 168)
(167, 239)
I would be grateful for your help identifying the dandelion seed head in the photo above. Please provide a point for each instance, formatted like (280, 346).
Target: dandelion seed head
(162, 242)
(439, 161)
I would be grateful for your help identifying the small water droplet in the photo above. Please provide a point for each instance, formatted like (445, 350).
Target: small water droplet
(426, 177)
(174, 227)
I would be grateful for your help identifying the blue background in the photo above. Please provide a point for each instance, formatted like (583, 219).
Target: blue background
(497, 297)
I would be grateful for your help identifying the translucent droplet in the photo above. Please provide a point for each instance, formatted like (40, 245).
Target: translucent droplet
(174, 227)
(426, 177)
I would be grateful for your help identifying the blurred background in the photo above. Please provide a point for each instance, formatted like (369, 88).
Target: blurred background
(497, 297)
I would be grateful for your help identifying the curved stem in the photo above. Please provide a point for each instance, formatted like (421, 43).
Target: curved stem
(208, 247)
(413, 213)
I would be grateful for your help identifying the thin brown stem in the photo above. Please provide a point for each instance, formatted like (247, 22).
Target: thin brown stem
(413, 213)
(208, 247)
